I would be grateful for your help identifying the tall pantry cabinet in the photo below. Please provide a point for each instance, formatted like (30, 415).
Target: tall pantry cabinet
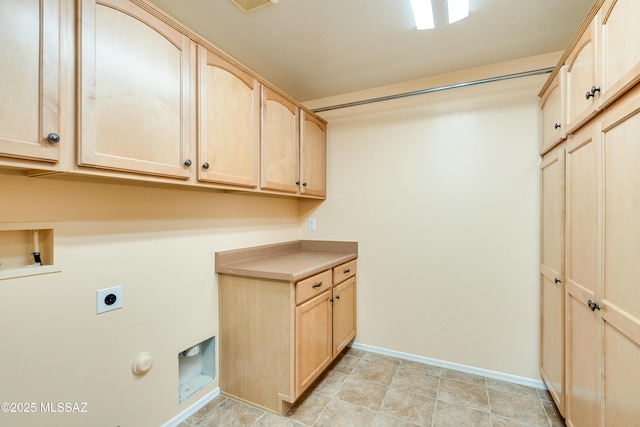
(600, 216)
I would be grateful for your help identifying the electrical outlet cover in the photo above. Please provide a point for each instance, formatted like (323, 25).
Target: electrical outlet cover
(109, 298)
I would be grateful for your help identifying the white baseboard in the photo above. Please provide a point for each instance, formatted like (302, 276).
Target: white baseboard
(455, 366)
(175, 421)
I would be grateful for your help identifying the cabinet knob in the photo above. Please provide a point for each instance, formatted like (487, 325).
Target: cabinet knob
(304, 184)
(337, 296)
(592, 92)
(205, 165)
(557, 126)
(187, 162)
(593, 305)
(297, 182)
(556, 280)
(53, 138)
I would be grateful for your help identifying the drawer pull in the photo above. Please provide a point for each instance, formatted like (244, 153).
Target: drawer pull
(348, 270)
(317, 285)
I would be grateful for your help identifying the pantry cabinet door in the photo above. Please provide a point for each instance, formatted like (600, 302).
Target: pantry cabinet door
(582, 273)
(229, 123)
(30, 79)
(619, 299)
(551, 274)
(137, 91)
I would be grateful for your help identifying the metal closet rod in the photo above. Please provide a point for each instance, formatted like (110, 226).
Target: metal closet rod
(435, 89)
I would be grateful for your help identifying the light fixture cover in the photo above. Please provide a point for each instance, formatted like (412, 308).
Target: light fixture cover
(423, 14)
(250, 5)
(458, 9)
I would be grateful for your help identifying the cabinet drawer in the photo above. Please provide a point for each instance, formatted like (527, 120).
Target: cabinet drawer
(344, 271)
(313, 286)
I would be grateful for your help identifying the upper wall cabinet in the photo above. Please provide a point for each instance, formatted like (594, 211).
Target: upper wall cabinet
(313, 154)
(605, 63)
(582, 80)
(620, 46)
(280, 143)
(229, 123)
(552, 123)
(137, 91)
(29, 79)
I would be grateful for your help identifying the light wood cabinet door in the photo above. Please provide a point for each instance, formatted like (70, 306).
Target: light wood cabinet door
(229, 122)
(137, 91)
(619, 298)
(581, 78)
(313, 155)
(582, 276)
(344, 314)
(313, 339)
(620, 47)
(280, 143)
(551, 275)
(552, 121)
(29, 79)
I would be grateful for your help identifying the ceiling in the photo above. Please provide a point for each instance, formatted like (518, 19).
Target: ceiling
(314, 49)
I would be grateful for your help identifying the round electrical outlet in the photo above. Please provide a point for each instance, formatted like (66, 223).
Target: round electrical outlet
(110, 299)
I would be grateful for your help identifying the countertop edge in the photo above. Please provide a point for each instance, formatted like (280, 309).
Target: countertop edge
(227, 262)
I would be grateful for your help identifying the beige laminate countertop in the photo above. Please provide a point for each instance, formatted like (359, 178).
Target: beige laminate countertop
(290, 261)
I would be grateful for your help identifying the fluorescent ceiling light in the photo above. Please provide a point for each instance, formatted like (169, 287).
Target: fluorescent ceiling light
(458, 9)
(423, 14)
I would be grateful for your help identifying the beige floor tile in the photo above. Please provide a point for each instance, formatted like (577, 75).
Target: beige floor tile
(451, 415)
(518, 407)
(384, 420)
(362, 393)
(464, 377)
(206, 408)
(545, 395)
(377, 372)
(415, 382)
(353, 352)
(553, 414)
(272, 420)
(421, 367)
(512, 388)
(465, 394)
(498, 421)
(410, 407)
(380, 358)
(345, 364)
(369, 390)
(230, 413)
(329, 383)
(308, 407)
(343, 414)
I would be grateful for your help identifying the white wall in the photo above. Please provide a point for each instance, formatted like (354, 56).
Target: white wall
(441, 192)
(159, 245)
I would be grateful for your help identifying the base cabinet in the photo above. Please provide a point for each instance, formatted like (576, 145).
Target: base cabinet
(277, 337)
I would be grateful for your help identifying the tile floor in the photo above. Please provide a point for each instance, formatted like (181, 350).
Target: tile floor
(367, 389)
